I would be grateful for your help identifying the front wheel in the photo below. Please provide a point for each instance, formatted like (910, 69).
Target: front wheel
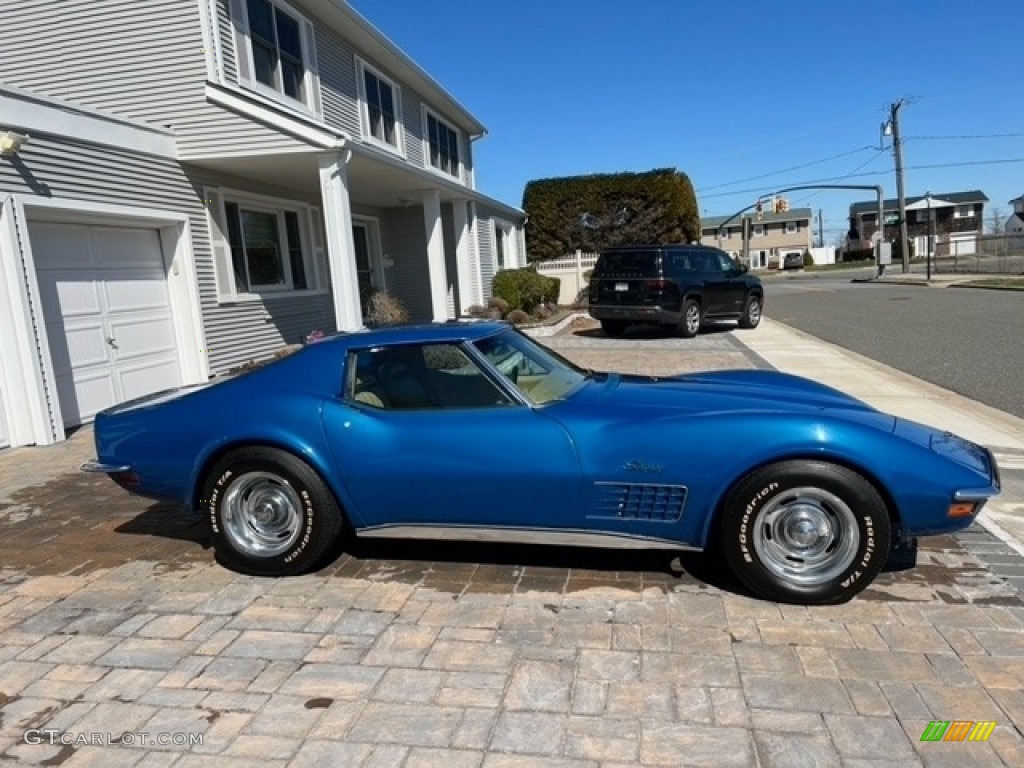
(805, 532)
(270, 514)
(752, 311)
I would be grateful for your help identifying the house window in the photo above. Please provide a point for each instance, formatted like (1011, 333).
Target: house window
(275, 36)
(504, 245)
(791, 228)
(963, 211)
(759, 230)
(380, 108)
(723, 234)
(267, 252)
(444, 146)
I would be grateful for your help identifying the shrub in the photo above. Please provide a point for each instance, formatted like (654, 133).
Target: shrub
(517, 317)
(384, 309)
(477, 310)
(554, 287)
(523, 288)
(808, 259)
(499, 304)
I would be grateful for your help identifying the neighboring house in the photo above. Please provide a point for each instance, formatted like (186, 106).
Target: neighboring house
(772, 235)
(956, 222)
(207, 180)
(1014, 227)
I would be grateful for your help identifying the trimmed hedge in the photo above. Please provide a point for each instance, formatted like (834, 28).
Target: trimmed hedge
(589, 213)
(524, 288)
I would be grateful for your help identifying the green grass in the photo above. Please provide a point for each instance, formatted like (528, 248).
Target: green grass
(1005, 283)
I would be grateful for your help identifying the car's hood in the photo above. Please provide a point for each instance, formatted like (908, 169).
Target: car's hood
(717, 391)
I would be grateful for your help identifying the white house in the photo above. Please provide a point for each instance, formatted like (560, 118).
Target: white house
(186, 185)
(1014, 226)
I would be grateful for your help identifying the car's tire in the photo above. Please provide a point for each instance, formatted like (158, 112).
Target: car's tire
(270, 513)
(807, 532)
(613, 328)
(752, 311)
(690, 319)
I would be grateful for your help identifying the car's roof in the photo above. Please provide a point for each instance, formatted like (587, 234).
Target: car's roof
(663, 247)
(420, 333)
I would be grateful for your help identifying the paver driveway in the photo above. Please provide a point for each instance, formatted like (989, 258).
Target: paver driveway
(116, 623)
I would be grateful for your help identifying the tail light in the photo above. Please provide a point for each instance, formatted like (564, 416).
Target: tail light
(656, 285)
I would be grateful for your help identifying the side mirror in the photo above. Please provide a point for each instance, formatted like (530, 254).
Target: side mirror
(741, 269)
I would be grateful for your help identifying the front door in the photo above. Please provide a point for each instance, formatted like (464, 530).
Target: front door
(423, 437)
(364, 263)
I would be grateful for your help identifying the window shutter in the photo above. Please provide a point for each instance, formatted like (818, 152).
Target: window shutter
(312, 73)
(243, 53)
(316, 226)
(219, 245)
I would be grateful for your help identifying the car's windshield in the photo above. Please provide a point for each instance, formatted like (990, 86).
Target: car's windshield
(540, 374)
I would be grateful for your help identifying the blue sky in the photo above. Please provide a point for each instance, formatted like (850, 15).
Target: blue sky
(743, 97)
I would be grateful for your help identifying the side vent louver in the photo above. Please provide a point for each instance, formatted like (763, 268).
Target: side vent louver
(637, 501)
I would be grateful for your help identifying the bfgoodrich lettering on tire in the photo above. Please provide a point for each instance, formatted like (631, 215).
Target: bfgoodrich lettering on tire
(805, 532)
(270, 514)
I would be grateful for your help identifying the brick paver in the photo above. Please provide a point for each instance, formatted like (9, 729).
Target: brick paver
(115, 622)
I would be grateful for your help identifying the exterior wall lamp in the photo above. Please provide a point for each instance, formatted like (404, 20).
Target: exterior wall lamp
(11, 142)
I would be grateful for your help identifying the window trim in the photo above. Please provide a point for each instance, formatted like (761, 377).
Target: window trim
(460, 165)
(311, 103)
(758, 230)
(957, 214)
(307, 221)
(398, 148)
(792, 228)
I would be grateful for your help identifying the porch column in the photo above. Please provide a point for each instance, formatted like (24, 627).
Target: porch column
(341, 252)
(435, 255)
(463, 240)
(476, 273)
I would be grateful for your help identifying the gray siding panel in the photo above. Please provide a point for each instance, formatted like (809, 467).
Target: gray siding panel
(412, 118)
(405, 242)
(234, 334)
(485, 246)
(451, 264)
(139, 60)
(338, 88)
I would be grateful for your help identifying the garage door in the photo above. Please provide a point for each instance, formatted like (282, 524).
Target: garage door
(108, 316)
(5, 439)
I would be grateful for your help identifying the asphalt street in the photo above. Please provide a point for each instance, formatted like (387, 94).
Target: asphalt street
(968, 340)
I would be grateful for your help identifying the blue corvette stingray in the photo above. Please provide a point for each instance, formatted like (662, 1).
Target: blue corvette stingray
(473, 431)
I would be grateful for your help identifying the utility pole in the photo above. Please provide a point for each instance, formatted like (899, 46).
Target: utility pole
(897, 151)
(821, 230)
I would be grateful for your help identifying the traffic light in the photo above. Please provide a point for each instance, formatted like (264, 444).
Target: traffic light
(760, 213)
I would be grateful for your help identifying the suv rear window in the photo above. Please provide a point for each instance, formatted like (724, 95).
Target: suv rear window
(626, 262)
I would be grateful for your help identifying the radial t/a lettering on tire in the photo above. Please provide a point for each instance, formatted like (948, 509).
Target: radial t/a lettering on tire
(269, 512)
(805, 532)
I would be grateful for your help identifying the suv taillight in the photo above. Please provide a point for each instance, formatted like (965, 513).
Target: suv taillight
(656, 285)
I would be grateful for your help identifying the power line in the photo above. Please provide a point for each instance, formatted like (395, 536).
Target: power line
(967, 136)
(788, 170)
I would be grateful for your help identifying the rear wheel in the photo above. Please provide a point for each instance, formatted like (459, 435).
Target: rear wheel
(613, 327)
(689, 323)
(270, 514)
(805, 532)
(752, 310)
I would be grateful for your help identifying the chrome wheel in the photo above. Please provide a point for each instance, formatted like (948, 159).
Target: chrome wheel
(692, 319)
(262, 514)
(806, 536)
(753, 312)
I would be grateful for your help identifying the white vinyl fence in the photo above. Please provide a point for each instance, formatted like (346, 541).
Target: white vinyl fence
(569, 270)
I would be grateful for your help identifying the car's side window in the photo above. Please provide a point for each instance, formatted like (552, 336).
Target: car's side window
(420, 377)
(726, 264)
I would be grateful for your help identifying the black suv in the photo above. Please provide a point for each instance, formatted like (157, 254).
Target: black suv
(672, 285)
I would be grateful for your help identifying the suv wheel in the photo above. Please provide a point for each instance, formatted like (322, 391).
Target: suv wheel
(689, 323)
(613, 327)
(751, 316)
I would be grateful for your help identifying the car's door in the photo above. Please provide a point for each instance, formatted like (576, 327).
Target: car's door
(726, 284)
(424, 436)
